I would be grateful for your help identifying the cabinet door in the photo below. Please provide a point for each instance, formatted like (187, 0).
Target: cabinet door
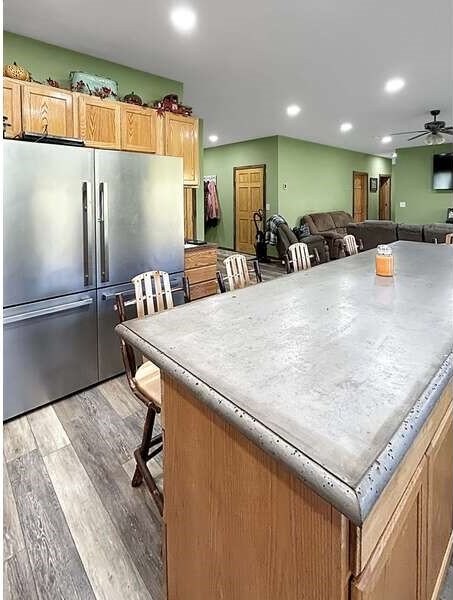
(48, 110)
(12, 107)
(99, 122)
(138, 128)
(397, 568)
(181, 139)
(440, 503)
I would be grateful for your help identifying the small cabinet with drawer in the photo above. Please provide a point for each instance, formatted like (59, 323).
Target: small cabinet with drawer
(200, 265)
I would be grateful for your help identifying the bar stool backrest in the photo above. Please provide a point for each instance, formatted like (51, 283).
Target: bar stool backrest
(350, 245)
(237, 271)
(152, 292)
(449, 238)
(299, 257)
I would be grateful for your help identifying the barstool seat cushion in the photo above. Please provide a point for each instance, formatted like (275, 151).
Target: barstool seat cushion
(147, 380)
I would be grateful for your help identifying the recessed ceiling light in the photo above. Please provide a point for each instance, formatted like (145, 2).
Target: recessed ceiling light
(386, 139)
(394, 85)
(293, 110)
(344, 127)
(213, 138)
(183, 18)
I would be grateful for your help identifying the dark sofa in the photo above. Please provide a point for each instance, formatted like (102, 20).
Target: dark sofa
(372, 233)
(332, 226)
(286, 237)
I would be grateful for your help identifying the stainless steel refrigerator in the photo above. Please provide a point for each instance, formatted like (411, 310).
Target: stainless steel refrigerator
(78, 224)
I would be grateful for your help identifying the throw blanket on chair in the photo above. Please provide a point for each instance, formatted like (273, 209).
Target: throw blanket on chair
(272, 224)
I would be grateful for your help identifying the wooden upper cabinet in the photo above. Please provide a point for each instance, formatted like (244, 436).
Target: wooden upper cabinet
(12, 107)
(181, 139)
(440, 504)
(138, 128)
(397, 568)
(46, 109)
(99, 122)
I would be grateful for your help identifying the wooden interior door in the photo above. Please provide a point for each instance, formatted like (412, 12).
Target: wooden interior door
(385, 206)
(360, 196)
(440, 505)
(249, 185)
(48, 110)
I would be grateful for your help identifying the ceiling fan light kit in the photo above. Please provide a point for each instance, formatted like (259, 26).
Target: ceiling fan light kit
(434, 131)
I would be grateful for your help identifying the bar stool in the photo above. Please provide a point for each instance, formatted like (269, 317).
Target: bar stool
(153, 294)
(238, 273)
(350, 245)
(298, 257)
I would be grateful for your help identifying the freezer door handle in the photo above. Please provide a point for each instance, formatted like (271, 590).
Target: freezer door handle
(86, 189)
(111, 295)
(104, 231)
(47, 311)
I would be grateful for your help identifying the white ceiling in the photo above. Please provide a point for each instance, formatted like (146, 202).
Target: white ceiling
(249, 59)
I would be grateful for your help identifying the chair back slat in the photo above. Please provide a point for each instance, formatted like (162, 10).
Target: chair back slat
(350, 245)
(237, 271)
(299, 256)
(449, 238)
(152, 292)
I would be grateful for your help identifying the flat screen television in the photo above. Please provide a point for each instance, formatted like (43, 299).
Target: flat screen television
(443, 171)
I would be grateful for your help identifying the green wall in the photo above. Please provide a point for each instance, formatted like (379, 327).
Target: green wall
(44, 60)
(318, 178)
(220, 161)
(412, 184)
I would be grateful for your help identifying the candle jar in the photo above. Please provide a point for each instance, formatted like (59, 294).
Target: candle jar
(384, 261)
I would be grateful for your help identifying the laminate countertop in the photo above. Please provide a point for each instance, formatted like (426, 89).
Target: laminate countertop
(333, 371)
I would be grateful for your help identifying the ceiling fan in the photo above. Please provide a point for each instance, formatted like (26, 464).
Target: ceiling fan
(434, 130)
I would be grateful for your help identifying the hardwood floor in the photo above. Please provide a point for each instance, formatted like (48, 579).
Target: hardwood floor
(73, 527)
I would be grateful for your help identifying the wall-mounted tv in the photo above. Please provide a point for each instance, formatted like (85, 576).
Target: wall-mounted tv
(443, 171)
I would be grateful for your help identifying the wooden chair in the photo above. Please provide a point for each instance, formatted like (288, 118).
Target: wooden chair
(298, 257)
(449, 238)
(153, 294)
(238, 273)
(350, 245)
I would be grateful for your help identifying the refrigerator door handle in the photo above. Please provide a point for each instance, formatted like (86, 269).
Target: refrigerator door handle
(104, 231)
(47, 311)
(86, 203)
(111, 295)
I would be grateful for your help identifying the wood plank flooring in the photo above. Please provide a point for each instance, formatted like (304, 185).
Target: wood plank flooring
(73, 527)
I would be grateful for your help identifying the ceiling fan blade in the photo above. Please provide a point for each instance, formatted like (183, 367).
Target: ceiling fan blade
(408, 132)
(418, 136)
(448, 130)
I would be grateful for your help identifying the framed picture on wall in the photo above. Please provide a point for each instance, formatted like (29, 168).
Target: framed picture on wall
(449, 215)
(373, 184)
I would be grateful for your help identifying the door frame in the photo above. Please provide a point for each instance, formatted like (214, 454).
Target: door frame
(379, 195)
(354, 173)
(263, 166)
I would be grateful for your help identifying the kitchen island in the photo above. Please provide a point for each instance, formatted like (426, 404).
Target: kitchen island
(308, 433)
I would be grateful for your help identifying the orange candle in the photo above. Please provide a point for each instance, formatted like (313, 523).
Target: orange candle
(384, 261)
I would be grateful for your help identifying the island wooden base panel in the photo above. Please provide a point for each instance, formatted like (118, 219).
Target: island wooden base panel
(240, 526)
